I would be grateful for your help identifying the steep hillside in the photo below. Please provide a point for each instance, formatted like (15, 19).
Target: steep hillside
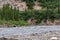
(21, 5)
(30, 4)
(14, 3)
(30, 12)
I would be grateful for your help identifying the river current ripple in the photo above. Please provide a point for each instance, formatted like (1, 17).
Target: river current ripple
(27, 30)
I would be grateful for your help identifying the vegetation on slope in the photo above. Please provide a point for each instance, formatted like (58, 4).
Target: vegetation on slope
(50, 12)
(30, 3)
(43, 3)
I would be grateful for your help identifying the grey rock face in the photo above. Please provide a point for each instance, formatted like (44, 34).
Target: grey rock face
(13, 39)
(3, 38)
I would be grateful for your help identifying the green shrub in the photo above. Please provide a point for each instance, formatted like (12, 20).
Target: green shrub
(30, 3)
(49, 3)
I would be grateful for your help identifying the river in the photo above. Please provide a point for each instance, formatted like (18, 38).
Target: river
(27, 30)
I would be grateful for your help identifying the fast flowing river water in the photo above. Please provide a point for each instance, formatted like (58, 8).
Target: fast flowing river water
(27, 30)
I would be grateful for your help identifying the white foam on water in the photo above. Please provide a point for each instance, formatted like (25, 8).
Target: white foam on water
(26, 30)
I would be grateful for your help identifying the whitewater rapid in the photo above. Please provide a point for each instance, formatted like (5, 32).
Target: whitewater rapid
(27, 30)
